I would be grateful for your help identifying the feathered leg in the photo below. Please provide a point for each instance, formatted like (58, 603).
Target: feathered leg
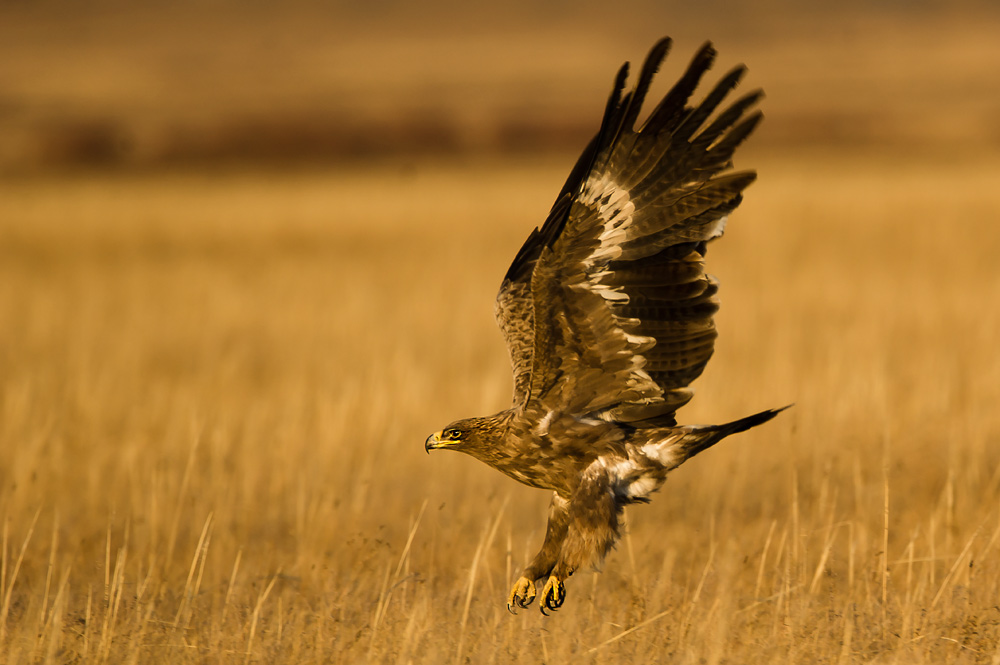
(593, 529)
(523, 592)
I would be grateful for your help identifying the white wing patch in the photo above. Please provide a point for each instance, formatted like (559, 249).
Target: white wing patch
(716, 228)
(542, 428)
(614, 208)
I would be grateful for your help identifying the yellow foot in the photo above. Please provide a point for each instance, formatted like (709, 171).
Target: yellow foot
(553, 595)
(522, 595)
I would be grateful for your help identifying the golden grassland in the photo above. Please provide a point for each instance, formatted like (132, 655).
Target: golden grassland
(215, 389)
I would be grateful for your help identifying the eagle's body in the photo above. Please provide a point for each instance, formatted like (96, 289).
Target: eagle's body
(607, 313)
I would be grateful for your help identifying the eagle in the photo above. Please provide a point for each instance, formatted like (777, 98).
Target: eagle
(607, 313)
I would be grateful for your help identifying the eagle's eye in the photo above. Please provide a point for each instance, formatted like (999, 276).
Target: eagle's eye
(452, 434)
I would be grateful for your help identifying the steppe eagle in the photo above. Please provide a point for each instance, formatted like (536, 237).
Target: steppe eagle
(607, 314)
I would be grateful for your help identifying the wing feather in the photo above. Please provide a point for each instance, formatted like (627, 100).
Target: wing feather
(606, 309)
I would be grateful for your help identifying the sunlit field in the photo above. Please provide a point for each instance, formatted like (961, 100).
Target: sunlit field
(248, 256)
(215, 390)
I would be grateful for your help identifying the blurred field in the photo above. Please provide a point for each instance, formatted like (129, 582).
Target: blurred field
(141, 85)
(222, 348)
(215, 392)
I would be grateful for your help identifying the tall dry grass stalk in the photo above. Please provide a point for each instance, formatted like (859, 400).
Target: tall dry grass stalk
(214, 392)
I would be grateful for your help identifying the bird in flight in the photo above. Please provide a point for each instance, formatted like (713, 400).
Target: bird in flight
(607, 314)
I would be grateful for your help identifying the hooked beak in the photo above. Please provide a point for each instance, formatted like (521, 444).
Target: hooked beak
(435, 441)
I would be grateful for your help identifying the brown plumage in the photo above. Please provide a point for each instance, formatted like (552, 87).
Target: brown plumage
(607, 313)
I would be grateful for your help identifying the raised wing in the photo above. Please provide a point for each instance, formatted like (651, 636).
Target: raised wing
(606, 309)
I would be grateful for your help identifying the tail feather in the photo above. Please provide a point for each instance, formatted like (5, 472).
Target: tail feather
(707, 436)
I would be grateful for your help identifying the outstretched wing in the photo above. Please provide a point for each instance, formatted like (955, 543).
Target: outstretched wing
(606, 309)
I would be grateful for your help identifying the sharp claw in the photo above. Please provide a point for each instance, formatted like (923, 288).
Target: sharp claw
(521, 595)
(553, 595)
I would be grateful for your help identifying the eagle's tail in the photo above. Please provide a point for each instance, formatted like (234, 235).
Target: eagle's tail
(703, 437)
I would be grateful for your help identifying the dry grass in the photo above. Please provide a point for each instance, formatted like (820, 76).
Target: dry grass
(215, 389)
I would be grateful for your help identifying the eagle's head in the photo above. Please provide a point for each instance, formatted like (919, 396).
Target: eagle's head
(467, 435)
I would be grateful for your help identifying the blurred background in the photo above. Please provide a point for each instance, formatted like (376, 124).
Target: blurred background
(248, 253)
(139, 85)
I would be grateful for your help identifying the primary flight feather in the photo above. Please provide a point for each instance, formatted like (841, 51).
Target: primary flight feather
(607, 313)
